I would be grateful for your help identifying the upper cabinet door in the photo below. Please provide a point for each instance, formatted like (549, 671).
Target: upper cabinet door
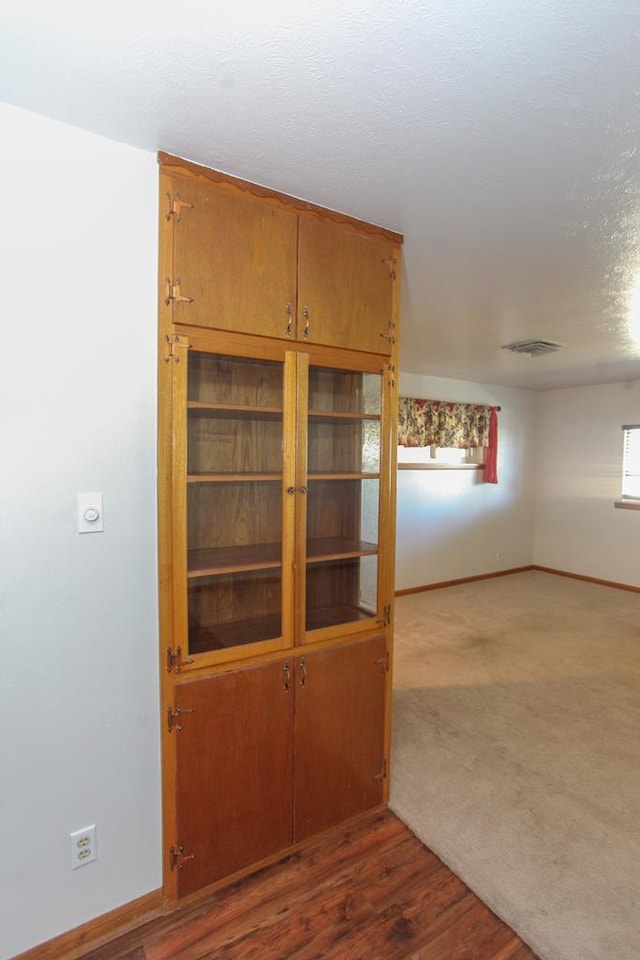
(345, 287)
(234, 261)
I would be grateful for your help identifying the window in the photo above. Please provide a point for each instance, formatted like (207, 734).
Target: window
(435, 457)
(630, 468)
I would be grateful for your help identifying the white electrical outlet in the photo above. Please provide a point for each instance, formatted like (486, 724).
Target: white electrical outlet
(83, 846)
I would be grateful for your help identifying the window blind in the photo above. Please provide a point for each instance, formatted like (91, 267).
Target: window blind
(631, 462)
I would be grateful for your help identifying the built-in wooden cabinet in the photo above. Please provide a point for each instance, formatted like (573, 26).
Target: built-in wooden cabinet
(270, 755)
(276, 521)
(252, 264)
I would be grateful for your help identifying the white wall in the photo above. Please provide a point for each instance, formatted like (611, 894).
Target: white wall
(449, 523)
(78, 628)
(78, 614)
(579, 454)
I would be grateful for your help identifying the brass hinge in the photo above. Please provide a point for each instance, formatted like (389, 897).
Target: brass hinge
(390, 335)
(176, 205)
(173, 717)
(383, 661)
(391, 263)
(175, 661)
(177, 857)
(173, 347)
(383, 771)
(173, 294)
(391, 371)
(386, 615)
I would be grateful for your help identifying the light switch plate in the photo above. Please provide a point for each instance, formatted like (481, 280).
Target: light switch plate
(90, 517)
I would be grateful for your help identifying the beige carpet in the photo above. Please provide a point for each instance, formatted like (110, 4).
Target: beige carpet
(516, 753)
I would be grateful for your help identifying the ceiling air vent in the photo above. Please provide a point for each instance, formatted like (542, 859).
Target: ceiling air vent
(535, 348)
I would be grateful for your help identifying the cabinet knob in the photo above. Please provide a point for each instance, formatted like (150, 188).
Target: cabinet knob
(289, 328)
(307, 322)
(303, 489)
(291, 490)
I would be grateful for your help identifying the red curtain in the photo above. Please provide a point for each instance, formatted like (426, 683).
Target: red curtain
(491, 453)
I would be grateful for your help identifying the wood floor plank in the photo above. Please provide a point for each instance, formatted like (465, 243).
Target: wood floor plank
(306, 932)
(476, 936)
(515, 950)
(397, 932)
(373, 892)
(397, 869)
(277, 890)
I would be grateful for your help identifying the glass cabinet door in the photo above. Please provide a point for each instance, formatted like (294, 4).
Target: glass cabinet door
(343, 472)
(233, 501)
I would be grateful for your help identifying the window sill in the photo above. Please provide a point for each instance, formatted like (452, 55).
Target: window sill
(440, 466)
(627, 504)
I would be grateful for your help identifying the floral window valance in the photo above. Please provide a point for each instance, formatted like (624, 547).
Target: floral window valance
(426, 422)
(423, 423)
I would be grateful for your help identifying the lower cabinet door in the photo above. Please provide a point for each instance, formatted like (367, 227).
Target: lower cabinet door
(234, 771)
(339, 734)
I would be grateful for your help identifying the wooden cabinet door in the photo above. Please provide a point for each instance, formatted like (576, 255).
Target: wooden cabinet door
(341, 467)
(235, 260)
(233, 771)
(345, 287)
(339, 734)
(232, 531)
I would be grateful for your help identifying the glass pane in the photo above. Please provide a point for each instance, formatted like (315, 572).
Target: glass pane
(344, 445)
(230, 520)
(342, 546)
(234, 443)
(345, 391)
(234, 609)
(631, 464)
(234, 501)
(341, 591)
(369, 510)
(344, 429)
(344, 511)
(234, 381)
(344, 421)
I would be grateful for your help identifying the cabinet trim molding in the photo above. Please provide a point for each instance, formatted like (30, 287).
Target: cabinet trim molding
(178, 165)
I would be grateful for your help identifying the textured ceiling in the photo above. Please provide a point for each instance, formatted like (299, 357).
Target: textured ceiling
(500, 136)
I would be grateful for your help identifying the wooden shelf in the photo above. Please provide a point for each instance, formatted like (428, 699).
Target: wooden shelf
(343, 475)
(222, 636)
(229, 411)
(336, 548)
(333, 616)
(216, 560)
(266, 556)
(332, 415)
(233, 477)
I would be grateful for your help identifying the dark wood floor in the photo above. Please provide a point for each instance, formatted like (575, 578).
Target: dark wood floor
(374, 893)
